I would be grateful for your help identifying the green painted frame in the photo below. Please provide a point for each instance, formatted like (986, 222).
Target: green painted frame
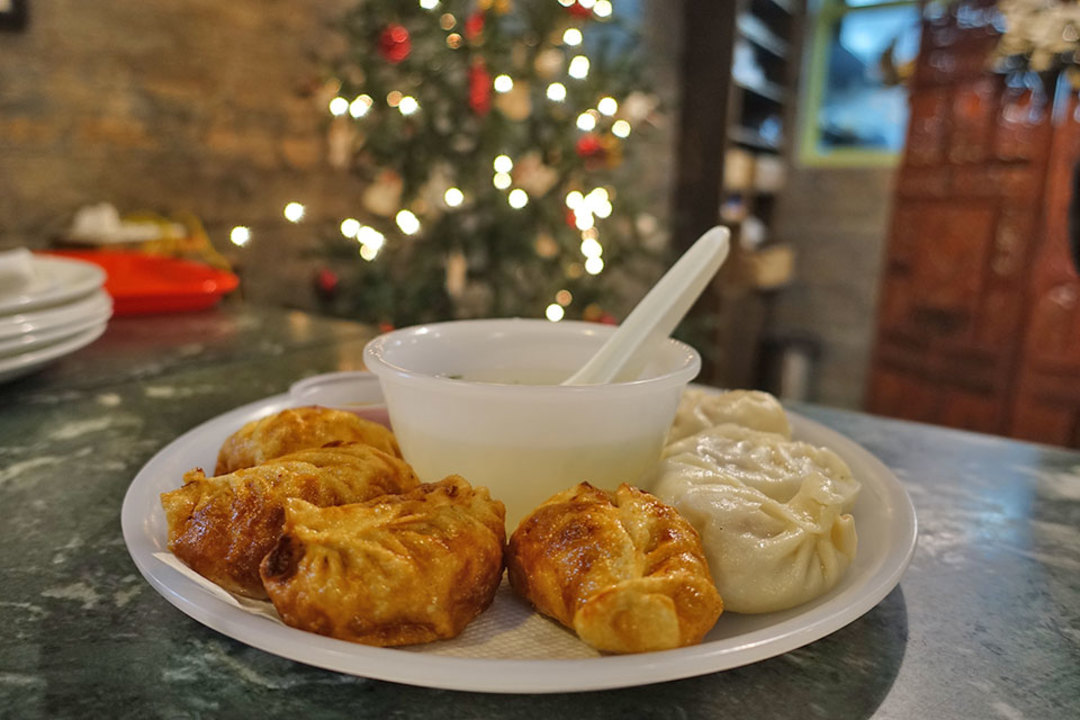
(825, 17)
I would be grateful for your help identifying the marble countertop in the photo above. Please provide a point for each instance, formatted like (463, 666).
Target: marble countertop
(984, 624)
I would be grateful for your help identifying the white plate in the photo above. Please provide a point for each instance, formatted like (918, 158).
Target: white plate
(18, 365)
(56, 280)
(522, 653)
(76, 312)
(38, 339)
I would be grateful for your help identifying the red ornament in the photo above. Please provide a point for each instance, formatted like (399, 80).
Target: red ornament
(474, 27)
(326, 283)
(395, 44)
(589, 146)
(479, 88)
(579, 10)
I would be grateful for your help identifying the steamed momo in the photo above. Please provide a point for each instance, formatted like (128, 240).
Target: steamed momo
(773, 513)
(702, 409)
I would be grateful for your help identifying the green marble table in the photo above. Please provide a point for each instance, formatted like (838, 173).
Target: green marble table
(985, 623)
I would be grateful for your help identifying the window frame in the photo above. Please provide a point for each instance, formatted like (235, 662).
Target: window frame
(825, 15)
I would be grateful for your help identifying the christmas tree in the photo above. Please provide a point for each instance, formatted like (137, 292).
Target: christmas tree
(490, 135)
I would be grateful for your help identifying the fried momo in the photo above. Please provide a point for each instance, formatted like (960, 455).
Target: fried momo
(221, 527)
(299, 429)
(621, 569)
(396, 570)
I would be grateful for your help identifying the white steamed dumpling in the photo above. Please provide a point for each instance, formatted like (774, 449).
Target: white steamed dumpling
(773, 513)
(702, 409)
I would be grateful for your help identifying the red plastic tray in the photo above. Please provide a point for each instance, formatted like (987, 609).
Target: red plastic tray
(142, 284)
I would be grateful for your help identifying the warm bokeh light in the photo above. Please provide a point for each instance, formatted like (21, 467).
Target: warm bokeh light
(368, 252)
(607, 106)
(240, 236)
(518, 198)
(590, 247)
(453, 197)
(503, 164)
(594, 265)
(503, 83)
(393, 98)
(294, 212)
(603, 8)
(429, 4)
(339, 106)
(554, 312)
(370, 237)
(586, 122)
(579, 67)
(349, 227)
(572, 37)
(408, 222)
(564, 298)
(556, 92)
(620, 128)
(573, 199)
(408, 105)
(359, 107)
(502, 180)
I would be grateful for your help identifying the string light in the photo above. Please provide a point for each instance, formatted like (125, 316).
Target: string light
(240, 236)
(447, 21)
(368, 252)
(393, 98)
(602, 9)
(607, 106)
(408, 222)
(556, 92)
(573, 199)
(294, 212)
(503, 164)
(502, 180)
(587, 4)
(620, 128)
(359, 107)
(408, 105)
(584, 220)
(586, 121)
(590, 248)
(564, 298)
(567, 3)
(554, 312)
(339, 106)
(572, 37)
(370, 238)
(594, 265)
(429, 4)
(503, 83)
(349, 227)
(579, 67)
(453, 41)
(453, 197)
(518, 198)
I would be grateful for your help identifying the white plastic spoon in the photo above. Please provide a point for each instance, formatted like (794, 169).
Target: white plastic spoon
(655, 317)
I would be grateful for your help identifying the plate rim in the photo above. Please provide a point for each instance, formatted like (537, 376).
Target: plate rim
(16, 365)
(498, 675)
(93, 277)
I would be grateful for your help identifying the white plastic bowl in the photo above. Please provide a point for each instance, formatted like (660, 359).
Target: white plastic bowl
(481, 398)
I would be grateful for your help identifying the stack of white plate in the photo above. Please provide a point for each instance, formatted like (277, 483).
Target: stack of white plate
(62, 308)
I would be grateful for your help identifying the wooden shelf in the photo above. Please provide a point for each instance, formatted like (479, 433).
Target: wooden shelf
(751, 28)
(764, 89)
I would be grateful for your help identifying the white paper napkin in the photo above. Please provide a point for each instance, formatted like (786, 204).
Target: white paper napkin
(509, 629)
(16, 271)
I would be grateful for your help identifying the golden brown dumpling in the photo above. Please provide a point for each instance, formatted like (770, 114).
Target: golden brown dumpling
(223, 526)
(624, 571)
(396, 570)
(299, 429)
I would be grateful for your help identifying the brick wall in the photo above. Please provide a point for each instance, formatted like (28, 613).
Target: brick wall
(173, 106)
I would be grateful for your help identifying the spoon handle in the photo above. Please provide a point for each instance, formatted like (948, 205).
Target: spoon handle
(655, 317)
